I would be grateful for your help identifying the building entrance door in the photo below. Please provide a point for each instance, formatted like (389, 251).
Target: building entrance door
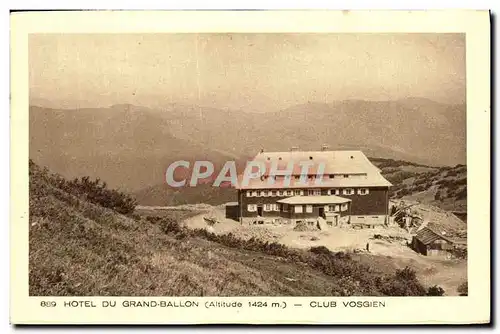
(259, 210)
(322, 212)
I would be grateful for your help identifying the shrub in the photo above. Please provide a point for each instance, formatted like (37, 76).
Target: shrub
(398, 177)
(463, 289)
(97, 192)
(406, 274)
(462, 194)
(403, 192)
(435, 291)
(403, 283)
(437, 197)
(320, 250)
(93, 191)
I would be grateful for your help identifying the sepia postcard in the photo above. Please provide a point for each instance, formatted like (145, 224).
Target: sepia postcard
(250, 167)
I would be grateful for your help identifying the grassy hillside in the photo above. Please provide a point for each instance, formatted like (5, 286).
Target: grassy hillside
(444, 187)
(78, 247)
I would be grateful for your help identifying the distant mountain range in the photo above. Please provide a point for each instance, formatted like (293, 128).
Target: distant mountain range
(130, 146)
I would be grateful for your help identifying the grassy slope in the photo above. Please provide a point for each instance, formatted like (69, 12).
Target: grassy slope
(419, 182)
(79, 248)
(84, 249)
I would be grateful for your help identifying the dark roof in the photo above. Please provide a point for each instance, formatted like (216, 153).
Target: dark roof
(428, 236)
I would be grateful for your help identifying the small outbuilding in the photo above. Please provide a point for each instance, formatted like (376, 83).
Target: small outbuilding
(430, 243)
(233, 210)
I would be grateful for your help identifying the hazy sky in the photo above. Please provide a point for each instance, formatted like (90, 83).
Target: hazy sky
(247, 71)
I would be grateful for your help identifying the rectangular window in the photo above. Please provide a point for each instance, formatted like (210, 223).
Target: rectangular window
(317, 192)
(267, 207)
(289, 193)
(344, 207)
(297, 177)
(332, 176)
(334, 192)
(346, 176)
(277, 207)
(298, 209)
(252, 207)
(337, 208)
(363, 191)
(309, 208)
(297, 192)
(249, 194)
(285, 207)
(259, 193)
(264, 193)
(273, 193)
(348, 191)
(331, 208)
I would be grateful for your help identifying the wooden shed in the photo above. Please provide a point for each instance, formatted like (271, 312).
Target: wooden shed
(431, 243)
(232, 210)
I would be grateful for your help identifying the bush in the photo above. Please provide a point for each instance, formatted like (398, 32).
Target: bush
(462, 194)
(403, 192)
(435, 291)
(398, 177)
(406, 274)
(97, 192)
(463, 289)
(403, 283)
(320, 250)
(451, 173)
(437, 197)
(93, 191)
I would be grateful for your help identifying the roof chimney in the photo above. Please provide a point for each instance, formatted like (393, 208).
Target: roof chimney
(325, 147)
(294, 148)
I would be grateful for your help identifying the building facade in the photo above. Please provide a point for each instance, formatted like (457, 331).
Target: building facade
(337, 186)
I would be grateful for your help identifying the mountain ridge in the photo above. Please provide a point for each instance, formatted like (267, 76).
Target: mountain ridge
(131, 146)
